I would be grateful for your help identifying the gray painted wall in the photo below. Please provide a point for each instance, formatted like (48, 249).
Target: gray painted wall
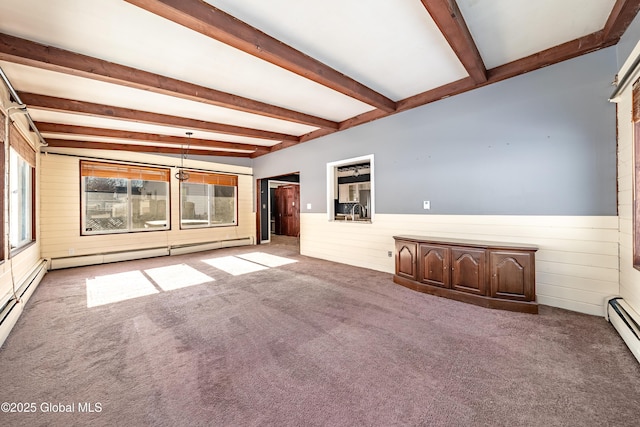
(543, 143)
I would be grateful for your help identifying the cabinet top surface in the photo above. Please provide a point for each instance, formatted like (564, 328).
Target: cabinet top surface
(466, 242)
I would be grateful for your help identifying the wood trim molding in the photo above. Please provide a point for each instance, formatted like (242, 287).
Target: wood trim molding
(212, 22)
(623, 12)
(554, 55)
(63, 129)
(26, 52)
(65, 143)
(449, 19)
(99, 110)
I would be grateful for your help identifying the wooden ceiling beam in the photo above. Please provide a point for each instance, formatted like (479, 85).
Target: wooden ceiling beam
(554, 55)
(623, 12)
(64, 129)
(449, 19)
(26, 52)
(66, 143)
(563, 52)
(200, 16)
(52, 103)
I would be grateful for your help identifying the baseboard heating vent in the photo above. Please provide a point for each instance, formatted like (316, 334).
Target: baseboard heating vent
(208, 246)
(13, 308)
(106, 257)
(626, 321)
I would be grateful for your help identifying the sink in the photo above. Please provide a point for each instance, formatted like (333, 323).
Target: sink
(347, 217)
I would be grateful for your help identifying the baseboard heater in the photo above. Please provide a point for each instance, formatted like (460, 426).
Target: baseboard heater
(626, 321)
(11, 310)
(208, 246)
(107, 257)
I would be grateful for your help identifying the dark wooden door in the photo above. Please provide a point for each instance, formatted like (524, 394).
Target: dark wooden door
(288, 210)
(434, 265)
(468, 270)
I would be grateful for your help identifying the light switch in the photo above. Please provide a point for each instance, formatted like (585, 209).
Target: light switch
(426, 204)
(308, 206)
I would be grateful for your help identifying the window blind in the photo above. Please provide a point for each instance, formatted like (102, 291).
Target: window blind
(2, 126)
(111, 170)
(22, 146)
(212, 178)
(636, 101)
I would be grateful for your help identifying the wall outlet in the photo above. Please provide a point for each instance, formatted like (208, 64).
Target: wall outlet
(390, 254)
(308, 206)
(426, 205)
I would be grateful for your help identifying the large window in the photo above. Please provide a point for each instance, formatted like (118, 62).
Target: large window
(636, 173)
(208, 200)
(121, 198)
(21, 201)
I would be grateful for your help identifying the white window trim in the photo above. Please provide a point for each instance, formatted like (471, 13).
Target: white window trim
(332, 183)
(129, 229)
(15, 207)
(210, 188)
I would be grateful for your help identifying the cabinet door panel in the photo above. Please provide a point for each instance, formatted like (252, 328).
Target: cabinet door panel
(434, 265)
(468, 270)
(343, 193)
(512, 275)
(406, 260)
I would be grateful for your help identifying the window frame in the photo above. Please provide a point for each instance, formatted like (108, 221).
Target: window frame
(4, 139)
(130, 173)
(211, 180)
(635, 119)
(332, 185)
(25, 198)
(26, 154)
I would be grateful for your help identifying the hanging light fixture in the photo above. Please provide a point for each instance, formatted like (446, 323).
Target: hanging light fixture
(182, 175)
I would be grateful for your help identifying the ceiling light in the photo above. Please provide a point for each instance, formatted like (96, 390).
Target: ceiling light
(182, 175)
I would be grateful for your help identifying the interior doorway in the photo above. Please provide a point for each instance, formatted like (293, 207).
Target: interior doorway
(285, 210)
(278, 212)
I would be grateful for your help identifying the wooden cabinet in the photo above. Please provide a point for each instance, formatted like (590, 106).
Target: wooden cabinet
(468, 270)
(433, 265)
(490, 274)
(406, 260)
(512, 275)
(350, 193)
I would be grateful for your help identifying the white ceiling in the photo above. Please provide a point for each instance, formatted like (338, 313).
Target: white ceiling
(392, 47)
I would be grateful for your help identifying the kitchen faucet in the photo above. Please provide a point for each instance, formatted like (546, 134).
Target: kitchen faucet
(353, 211)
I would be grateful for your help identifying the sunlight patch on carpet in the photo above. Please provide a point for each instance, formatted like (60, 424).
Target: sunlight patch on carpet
(267, 259)
(118, 287)
(177, 276)
(234, 266)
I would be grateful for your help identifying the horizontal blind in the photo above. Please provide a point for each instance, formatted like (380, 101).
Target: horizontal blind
(212, 178)
(112, 170)
(22, 146)
(636, 101)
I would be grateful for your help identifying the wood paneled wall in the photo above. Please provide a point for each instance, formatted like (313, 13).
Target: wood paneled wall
(576, 265)
(60, 212)
(629, 276)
